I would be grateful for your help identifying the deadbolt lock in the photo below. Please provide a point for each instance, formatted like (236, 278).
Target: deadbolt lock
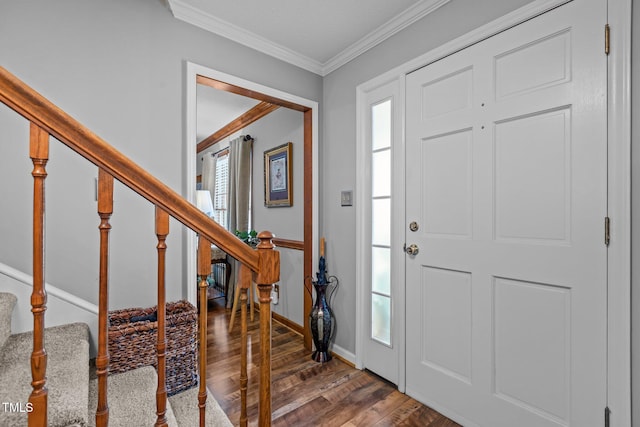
(412, 250)
(414, 226)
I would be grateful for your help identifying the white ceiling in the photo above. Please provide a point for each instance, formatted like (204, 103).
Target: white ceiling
(216, 108)
(319, 36)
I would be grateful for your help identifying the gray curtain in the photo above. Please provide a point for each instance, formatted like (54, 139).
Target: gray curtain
(209, 172)
(239, 195)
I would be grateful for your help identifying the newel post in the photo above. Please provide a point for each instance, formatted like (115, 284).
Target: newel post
(267, 275)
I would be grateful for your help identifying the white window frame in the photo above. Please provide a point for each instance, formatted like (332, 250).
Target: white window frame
(216, 190)
(388, 88)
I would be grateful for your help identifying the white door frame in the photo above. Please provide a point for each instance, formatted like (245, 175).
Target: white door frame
(619, 190)
(396, 90)
(192, 71)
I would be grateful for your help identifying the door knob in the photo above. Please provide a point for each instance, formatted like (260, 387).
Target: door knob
(412, 250)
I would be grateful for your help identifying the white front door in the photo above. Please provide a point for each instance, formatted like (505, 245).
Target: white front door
(506, 178)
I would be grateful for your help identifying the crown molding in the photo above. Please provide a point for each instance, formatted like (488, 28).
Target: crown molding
(194, 16)
(377, 36)
(187, 13)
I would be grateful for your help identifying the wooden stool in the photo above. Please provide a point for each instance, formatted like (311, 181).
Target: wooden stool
(234, 309)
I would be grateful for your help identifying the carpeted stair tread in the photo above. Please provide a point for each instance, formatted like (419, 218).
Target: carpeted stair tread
(7, 302)
(131, 397)
(72, 384)
(67, 349)
(132, 402)
(185, 408)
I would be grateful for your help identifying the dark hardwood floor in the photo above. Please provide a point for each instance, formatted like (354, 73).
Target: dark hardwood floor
(304, 392)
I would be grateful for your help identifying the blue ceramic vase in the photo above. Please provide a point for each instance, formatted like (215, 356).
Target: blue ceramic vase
(321, 322)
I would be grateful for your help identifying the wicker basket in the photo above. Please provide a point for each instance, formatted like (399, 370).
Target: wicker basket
(132, 343)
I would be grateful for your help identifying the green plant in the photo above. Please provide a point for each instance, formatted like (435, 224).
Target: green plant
(249, 237)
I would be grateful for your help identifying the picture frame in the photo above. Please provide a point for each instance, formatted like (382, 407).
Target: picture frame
(278, 176)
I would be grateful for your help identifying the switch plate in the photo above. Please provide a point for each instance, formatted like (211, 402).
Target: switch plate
(346, 198)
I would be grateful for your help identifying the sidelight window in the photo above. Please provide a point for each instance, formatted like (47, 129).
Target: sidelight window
(381, 135)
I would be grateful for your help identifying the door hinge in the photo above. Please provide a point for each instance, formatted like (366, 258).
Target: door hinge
(607, 230)
(607, 39)
(607, 416)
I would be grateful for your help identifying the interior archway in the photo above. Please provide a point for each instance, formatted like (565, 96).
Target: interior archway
(197, 74)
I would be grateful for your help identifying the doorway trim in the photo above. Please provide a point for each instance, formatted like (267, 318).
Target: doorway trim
(310, 134)
(619, 187)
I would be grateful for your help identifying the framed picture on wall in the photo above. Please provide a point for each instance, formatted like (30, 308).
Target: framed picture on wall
(278, 176)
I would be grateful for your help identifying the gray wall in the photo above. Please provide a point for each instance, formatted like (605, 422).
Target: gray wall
(118, 66)
(281, 126)
(338, 147)
(635, 218)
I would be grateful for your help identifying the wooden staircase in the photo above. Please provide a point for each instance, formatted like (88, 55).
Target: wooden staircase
(72, 383)
(261, 265)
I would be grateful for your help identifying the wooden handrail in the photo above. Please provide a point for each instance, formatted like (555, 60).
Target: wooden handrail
(48, 120)
(34, 107)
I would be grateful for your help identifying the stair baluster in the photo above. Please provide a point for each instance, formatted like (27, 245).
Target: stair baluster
(245, 284)
(105, 210)
(162, 231)
(268, 274)
(204, 269)
(39, 153)
(264, 263)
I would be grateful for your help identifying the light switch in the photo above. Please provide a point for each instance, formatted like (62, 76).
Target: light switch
(346, 198)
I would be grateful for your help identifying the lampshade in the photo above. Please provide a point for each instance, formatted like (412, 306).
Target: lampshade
(203, 201)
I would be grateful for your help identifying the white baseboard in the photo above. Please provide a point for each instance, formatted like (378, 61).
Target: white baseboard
(345, 354)
(62, 307)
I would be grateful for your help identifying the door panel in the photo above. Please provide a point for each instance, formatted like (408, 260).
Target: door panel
(446, 300)
(447, 208)
(533, 373)
(506, 170)
(532, 206)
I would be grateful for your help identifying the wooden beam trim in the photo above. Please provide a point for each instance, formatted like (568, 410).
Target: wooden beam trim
(288, 323)
(289, 244)
(227, 87)
(256, 113)
(308, 221)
